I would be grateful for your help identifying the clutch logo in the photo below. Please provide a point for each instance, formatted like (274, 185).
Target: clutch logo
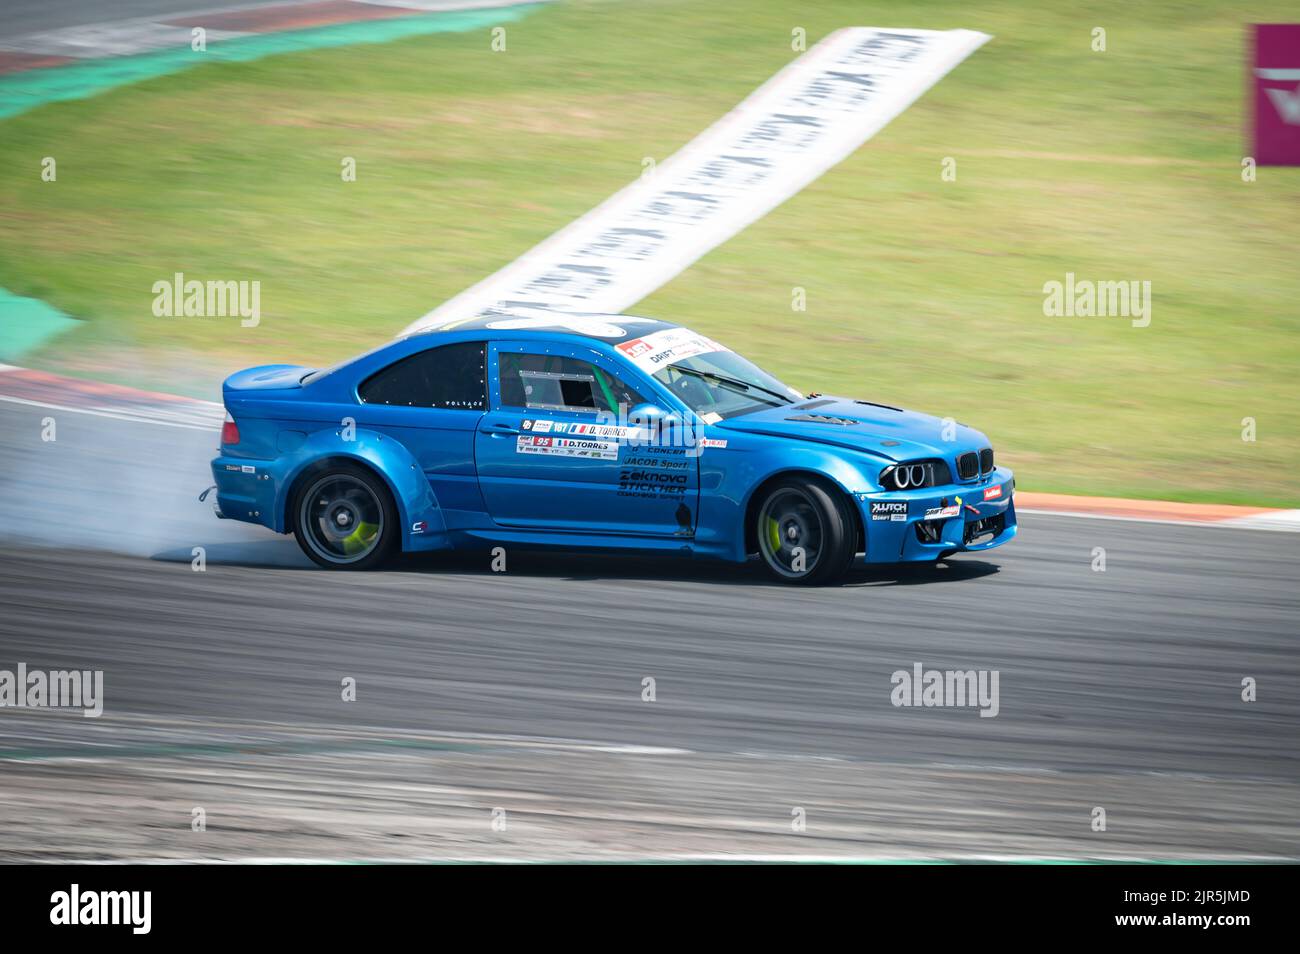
(103, 907)
(889, 510)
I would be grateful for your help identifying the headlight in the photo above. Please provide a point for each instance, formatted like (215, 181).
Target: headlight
(914, 475)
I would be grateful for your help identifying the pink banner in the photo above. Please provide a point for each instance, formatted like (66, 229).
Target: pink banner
(1275, 88)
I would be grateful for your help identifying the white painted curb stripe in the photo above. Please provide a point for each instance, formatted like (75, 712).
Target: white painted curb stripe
(1278, 520)
(811, 115)
(199, 422)
(1263, 521)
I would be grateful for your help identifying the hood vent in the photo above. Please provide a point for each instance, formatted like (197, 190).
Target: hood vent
(823, 419)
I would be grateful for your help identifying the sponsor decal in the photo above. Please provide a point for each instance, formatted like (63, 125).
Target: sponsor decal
(248, 469)
(659, 462)
(566, 447)
(651, 483)
(992, 493)
(942, 513)
(636, 348)
(811, 115)
(711, 442)
(888, 510)
(617, 431)
(419, 526)
(1275, 88)
(666, 347)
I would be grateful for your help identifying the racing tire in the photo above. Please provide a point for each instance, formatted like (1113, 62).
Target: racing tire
(806, 532)
(344, 518)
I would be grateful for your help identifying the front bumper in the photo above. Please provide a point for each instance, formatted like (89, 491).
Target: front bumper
(929, 524)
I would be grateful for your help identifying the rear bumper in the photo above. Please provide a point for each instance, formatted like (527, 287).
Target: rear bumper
(246, 490)
(920, 525)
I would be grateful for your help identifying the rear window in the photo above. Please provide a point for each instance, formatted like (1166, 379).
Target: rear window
(452, 377)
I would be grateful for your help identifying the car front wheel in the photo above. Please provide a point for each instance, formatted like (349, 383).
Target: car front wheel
(805, 532)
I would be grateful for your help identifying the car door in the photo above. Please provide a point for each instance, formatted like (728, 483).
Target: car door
(556, 452)
(431, 403)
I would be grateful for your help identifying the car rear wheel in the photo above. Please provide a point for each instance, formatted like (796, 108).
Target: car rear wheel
(345, 518)
(805, 532)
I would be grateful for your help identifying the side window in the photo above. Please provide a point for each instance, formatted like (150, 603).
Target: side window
(552, 383)
(452, 376)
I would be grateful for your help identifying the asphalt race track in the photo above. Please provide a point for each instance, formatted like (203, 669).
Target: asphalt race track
(523, 690)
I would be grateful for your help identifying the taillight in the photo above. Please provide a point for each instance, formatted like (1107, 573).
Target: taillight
(229, 430)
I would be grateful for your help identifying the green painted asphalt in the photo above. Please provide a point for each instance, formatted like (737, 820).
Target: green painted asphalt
(26, 90)
(28, 323)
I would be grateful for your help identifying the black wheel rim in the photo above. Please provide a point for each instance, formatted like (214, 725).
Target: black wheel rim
(790, 532)
(342, 519)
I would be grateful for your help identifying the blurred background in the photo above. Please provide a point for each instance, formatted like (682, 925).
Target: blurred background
(476, 130)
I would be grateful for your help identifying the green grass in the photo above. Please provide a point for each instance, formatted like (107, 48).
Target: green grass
(1115, 165)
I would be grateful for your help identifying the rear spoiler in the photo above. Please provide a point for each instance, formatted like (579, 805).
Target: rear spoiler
(269, 377)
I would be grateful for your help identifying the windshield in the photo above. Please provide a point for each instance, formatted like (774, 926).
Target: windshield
(721, 384)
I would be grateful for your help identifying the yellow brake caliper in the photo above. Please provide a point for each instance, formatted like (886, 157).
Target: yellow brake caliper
(360, 538)
(774, 534)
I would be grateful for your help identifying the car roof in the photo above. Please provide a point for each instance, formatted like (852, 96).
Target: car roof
(572, 324)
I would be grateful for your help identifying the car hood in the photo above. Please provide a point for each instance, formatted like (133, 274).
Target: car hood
(889, 433)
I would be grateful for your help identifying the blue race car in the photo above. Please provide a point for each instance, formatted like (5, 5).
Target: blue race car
(539, 428)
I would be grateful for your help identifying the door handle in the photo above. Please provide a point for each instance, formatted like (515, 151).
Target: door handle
(503, 430)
